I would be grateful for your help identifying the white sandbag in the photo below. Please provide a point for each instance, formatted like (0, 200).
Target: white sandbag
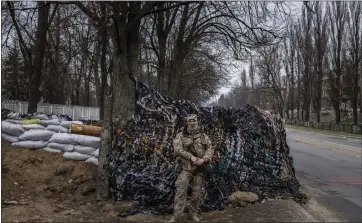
(14, 121)
(40, 116)
(49, 122)
(52, 150)
(96, 153)
(63, 147)
(9, 138)
(36, 135)
(85, 140)
(30, 144)
(11, 129)
(63, 138)
(67, 124)
(54, 117)
(75, 156)
(92, 160)
(33, 126)
(57, 128)
(14, 115)
(84, 149)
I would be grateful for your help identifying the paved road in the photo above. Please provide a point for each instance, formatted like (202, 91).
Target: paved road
(331, 167)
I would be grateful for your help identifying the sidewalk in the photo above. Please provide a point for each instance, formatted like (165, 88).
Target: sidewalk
(270, 211)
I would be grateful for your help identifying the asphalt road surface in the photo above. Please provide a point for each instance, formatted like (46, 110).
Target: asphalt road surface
(331, 167)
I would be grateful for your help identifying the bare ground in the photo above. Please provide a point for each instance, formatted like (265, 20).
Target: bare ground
(39, 186)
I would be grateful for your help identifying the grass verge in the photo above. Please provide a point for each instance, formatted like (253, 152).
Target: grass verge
(308, 129)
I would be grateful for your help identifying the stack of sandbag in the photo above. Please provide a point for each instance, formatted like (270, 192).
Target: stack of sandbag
(94, 158)
(11, 131)
(34, 138)
(57, 124)
(32, 124)
(75, 147)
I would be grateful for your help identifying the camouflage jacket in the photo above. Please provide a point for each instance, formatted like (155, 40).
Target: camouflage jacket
(188, 145)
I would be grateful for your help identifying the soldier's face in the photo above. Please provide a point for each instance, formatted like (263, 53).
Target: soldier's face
(192, 123)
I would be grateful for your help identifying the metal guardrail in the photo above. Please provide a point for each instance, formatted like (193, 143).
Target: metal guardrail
(329, 126)
(77, 112)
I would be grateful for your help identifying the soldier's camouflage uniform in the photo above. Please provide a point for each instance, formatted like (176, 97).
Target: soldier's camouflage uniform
(185, 146)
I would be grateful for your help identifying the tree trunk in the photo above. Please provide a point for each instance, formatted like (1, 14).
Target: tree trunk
(107, 133)
(104, 75)
(125, 56)
(87, 90)
(35, 77)
(161, 65)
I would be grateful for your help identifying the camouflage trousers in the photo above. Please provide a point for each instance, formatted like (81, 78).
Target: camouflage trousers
(182, 184)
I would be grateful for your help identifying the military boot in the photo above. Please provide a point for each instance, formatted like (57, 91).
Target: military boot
(175, 219)
(194, 218)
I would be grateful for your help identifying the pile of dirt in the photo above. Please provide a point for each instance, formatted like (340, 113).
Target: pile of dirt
(42, 186)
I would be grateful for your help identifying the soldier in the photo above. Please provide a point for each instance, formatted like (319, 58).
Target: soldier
(194, 149)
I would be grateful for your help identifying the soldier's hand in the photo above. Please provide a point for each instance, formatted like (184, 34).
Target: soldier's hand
(194, 159)
(200, 162)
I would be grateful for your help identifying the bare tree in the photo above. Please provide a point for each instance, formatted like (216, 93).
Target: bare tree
(251, 72)
(305, 47)
(269, 69)
(34, 56)
(337, 13)
(354, 38)
(243, 78)
(320, 25)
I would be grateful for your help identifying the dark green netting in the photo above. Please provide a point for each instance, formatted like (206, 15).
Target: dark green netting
(254, 155)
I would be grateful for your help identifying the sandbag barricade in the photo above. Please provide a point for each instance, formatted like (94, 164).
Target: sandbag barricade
(11, 129)
(49, 133)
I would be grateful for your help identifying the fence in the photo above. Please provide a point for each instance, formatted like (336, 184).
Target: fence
(329, 126)
(77, 112)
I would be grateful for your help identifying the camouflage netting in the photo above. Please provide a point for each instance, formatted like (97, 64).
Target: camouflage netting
(254, 155)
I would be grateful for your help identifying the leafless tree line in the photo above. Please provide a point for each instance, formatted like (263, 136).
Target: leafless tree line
(318, 61)
(85, 52)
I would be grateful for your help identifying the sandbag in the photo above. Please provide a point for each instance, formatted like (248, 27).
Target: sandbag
(84, 149)
(33, 126)
(96, 153)
(30, 144)
(54, 117)
(57, 128)
(40, 116)
(11, 129)
(85, 130)
(75, 156)
(14, 121)
(67, 124)
(30, 121)
(15, 116)
(36, 135)
(63, 138)
(52, 150)
(9, 138)
(49, 122)
(93, 160)
(63, 147)
(90, 141)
